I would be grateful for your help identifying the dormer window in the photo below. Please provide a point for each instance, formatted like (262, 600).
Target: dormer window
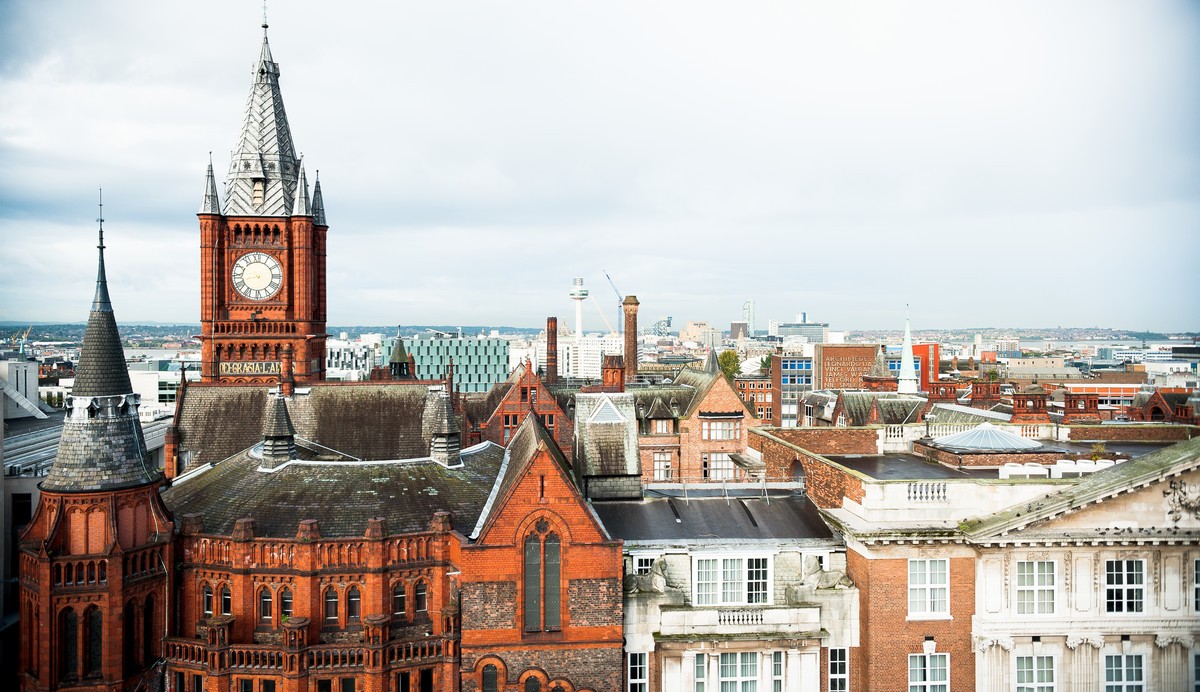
(259, 186)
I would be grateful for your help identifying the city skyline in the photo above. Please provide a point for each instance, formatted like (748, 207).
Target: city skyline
(997, 166)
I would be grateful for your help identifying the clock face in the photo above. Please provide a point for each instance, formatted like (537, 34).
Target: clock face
(257, 275)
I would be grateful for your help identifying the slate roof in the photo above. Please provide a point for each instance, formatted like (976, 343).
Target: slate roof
(893, 408)
(713, 518)
(370, 421)
(101, 370)
(956, 413)
(340, 495)
(102, 445)
(606, 445)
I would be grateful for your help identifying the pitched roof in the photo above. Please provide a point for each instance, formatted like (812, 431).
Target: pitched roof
(405, 493)
(101, 370)
(370, 421)
(606, 435)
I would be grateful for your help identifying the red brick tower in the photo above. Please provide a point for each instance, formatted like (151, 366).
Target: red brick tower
(262, 257)
(93, 560)
(630, 306)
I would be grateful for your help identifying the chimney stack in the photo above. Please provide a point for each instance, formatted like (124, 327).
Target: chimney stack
(630, 306)
(287, 384)
(551, 350)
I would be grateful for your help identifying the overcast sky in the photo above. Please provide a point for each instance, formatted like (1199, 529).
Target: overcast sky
(1000, 164)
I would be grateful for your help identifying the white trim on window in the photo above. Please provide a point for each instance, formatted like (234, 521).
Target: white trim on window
(1036, 587)
(929, 673)
(1035, 673)
(928, 589)
(732, 579)
(639, 672)
(1124, 673)
(839, 670)
(1124, 586)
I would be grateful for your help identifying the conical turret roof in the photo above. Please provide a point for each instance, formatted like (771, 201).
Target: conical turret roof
(102, 446)
(101, 370)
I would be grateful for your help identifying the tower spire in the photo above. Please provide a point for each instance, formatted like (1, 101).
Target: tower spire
(263, 169)
(101, 302)
(302, 207)
(908, 370)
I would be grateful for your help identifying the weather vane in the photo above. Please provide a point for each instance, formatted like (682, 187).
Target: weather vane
(100, 219)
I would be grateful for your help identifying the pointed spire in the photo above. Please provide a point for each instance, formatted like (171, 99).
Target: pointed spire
(101, 370)
(102, 446)
(211, 203)
(263, 168)
(279, 436)
(318, 204)
(301, 207)
(908, 369)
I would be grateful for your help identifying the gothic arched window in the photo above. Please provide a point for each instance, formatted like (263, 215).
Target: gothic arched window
(399, 600)
(352, 604)
(264, 604)
(543, 585)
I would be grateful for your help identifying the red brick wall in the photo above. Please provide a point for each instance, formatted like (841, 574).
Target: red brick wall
(888, 636)
(826, 483)
(546, 405)
(587, 650)
(720, 397)
(1133, 433)
(827, 441)
(842, 366)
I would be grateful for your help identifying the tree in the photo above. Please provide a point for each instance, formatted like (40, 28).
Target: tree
(764, 365)
(729, 363)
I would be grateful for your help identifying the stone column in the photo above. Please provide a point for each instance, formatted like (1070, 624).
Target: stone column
(1084, 663)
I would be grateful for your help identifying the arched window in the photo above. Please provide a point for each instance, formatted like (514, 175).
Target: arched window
(532, 684)
(352, 604)
(285, 602)
(94, 631)
(420, 597)
(543, 587)
(264, 604)
(68, 652)
(148, 633)
(399, 600)
(489, 678)
(226, 600)
(129, 641)
(207, 600)
(331, 605)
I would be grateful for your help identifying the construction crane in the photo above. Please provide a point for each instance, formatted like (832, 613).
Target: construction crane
(620, 298)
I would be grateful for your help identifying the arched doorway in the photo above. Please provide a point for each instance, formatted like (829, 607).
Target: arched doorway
(798, 476)
(1157, 414)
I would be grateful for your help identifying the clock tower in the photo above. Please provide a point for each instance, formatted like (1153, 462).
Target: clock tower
(262, 254)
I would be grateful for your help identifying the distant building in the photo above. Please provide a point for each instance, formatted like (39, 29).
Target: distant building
(479, 362)
(815, 332)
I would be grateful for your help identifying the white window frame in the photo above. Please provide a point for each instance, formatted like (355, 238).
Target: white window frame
(1196, 598)
(1122, 670)
(643, 563)
(662, 466)
(638, 669)
(727, 471)
(700, 672)
(730, 583)
(1130, 594)
(778, 664)
(1037, 590)
(721, 429)
(926, 592)
(1035, 668)
(741, 680)
(923, 666)
(839, 670)
(662, 426)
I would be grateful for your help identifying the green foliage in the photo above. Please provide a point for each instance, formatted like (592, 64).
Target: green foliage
(764, 365)
(1098, 450)
(729, 363)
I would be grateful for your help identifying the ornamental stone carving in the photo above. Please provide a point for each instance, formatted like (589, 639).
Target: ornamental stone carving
(1163, 641)
(982, 644)
(1183, 499)
(1093, 640)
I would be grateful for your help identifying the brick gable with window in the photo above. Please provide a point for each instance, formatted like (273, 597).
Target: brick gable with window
(528, 394)
(541, 586)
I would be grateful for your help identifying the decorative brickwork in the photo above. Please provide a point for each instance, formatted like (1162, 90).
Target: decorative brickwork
(490, 605)
(593, 601)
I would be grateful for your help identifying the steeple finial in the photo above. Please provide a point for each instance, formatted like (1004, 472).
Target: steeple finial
(302, 207)
(318, 203)
(101, 302)
(210, 203)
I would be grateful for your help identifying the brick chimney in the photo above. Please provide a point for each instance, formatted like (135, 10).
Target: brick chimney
(551, 350)
(287, 384)
(630, 306)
